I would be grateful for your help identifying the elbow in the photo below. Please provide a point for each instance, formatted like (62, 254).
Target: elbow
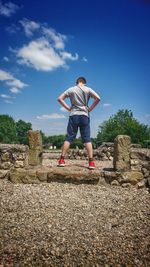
(58, 99)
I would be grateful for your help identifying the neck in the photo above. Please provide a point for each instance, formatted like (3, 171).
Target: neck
(81, 85)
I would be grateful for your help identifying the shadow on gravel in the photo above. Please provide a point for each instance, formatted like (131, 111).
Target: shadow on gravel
(72, 181)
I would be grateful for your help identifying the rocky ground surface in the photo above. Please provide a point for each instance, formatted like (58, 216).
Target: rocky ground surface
(65, 224)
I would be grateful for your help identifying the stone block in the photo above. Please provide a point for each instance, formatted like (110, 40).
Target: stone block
(42, 175)
(132, 177)
(16, 175)
(35, 140)
(6, 165)
(135, 162)
(5, 156)
(19, 164)
(141, 184)
(141, 154)
(31, 177)
(35, 157)
(20, 175)
(121, 159)
(75, 175)
(35, 145)
(115, 183)
(4, 174)
(19, 156)
(136, 168)
(146, 164)
(134, 155)
(145, 172)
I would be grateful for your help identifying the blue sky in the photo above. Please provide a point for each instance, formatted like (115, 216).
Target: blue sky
(46, 45)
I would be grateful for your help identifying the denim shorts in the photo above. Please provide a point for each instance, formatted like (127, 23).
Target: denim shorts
(83, 123)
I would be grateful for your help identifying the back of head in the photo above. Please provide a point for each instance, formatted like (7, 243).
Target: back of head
(81, 80)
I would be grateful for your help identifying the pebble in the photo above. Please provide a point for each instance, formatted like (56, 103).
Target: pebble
(72, 225)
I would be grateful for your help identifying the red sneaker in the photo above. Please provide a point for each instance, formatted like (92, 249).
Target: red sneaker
(91, 165)
(61, 163)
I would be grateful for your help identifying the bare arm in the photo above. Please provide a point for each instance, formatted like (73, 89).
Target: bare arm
(62, 102)
(94, 104)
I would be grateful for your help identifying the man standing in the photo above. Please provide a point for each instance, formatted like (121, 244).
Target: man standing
(79, 96)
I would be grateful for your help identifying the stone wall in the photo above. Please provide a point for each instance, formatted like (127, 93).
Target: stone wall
(140, 161)
(103, 152)
(12, 156)
(131, 164)
(16, 158)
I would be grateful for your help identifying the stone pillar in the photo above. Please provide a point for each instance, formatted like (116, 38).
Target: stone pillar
(121, 159)
(35, 148)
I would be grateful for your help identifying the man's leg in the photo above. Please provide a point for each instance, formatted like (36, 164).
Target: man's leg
(72, 129)
(85, 134)
(65, 148)
(89, 149)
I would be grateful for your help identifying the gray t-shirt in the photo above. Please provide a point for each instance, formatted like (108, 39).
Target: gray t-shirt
(79, 98)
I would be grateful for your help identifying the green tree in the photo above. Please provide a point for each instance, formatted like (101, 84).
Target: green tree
(8, 132)
(22, 128)
(56, 140)
(44, 138)
(123, 123)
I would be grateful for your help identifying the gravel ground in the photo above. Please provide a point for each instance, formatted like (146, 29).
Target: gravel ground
(60, 224)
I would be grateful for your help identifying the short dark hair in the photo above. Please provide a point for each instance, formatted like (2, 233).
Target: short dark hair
(81, 79)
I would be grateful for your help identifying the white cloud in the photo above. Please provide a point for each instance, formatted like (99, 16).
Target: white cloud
(51, 116)
(55, 37)
(4, 76)
(29, 26)
(106, 105)
(40, 55)
(8, 9)
(66, 55)
(6, 96)
(85, 59)
(17, 83)
(47, 51)
(12, 82)
(14, 90)
(10, 79)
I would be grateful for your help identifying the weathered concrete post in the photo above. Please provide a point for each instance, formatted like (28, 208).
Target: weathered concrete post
(121, 159)
(35, 148)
